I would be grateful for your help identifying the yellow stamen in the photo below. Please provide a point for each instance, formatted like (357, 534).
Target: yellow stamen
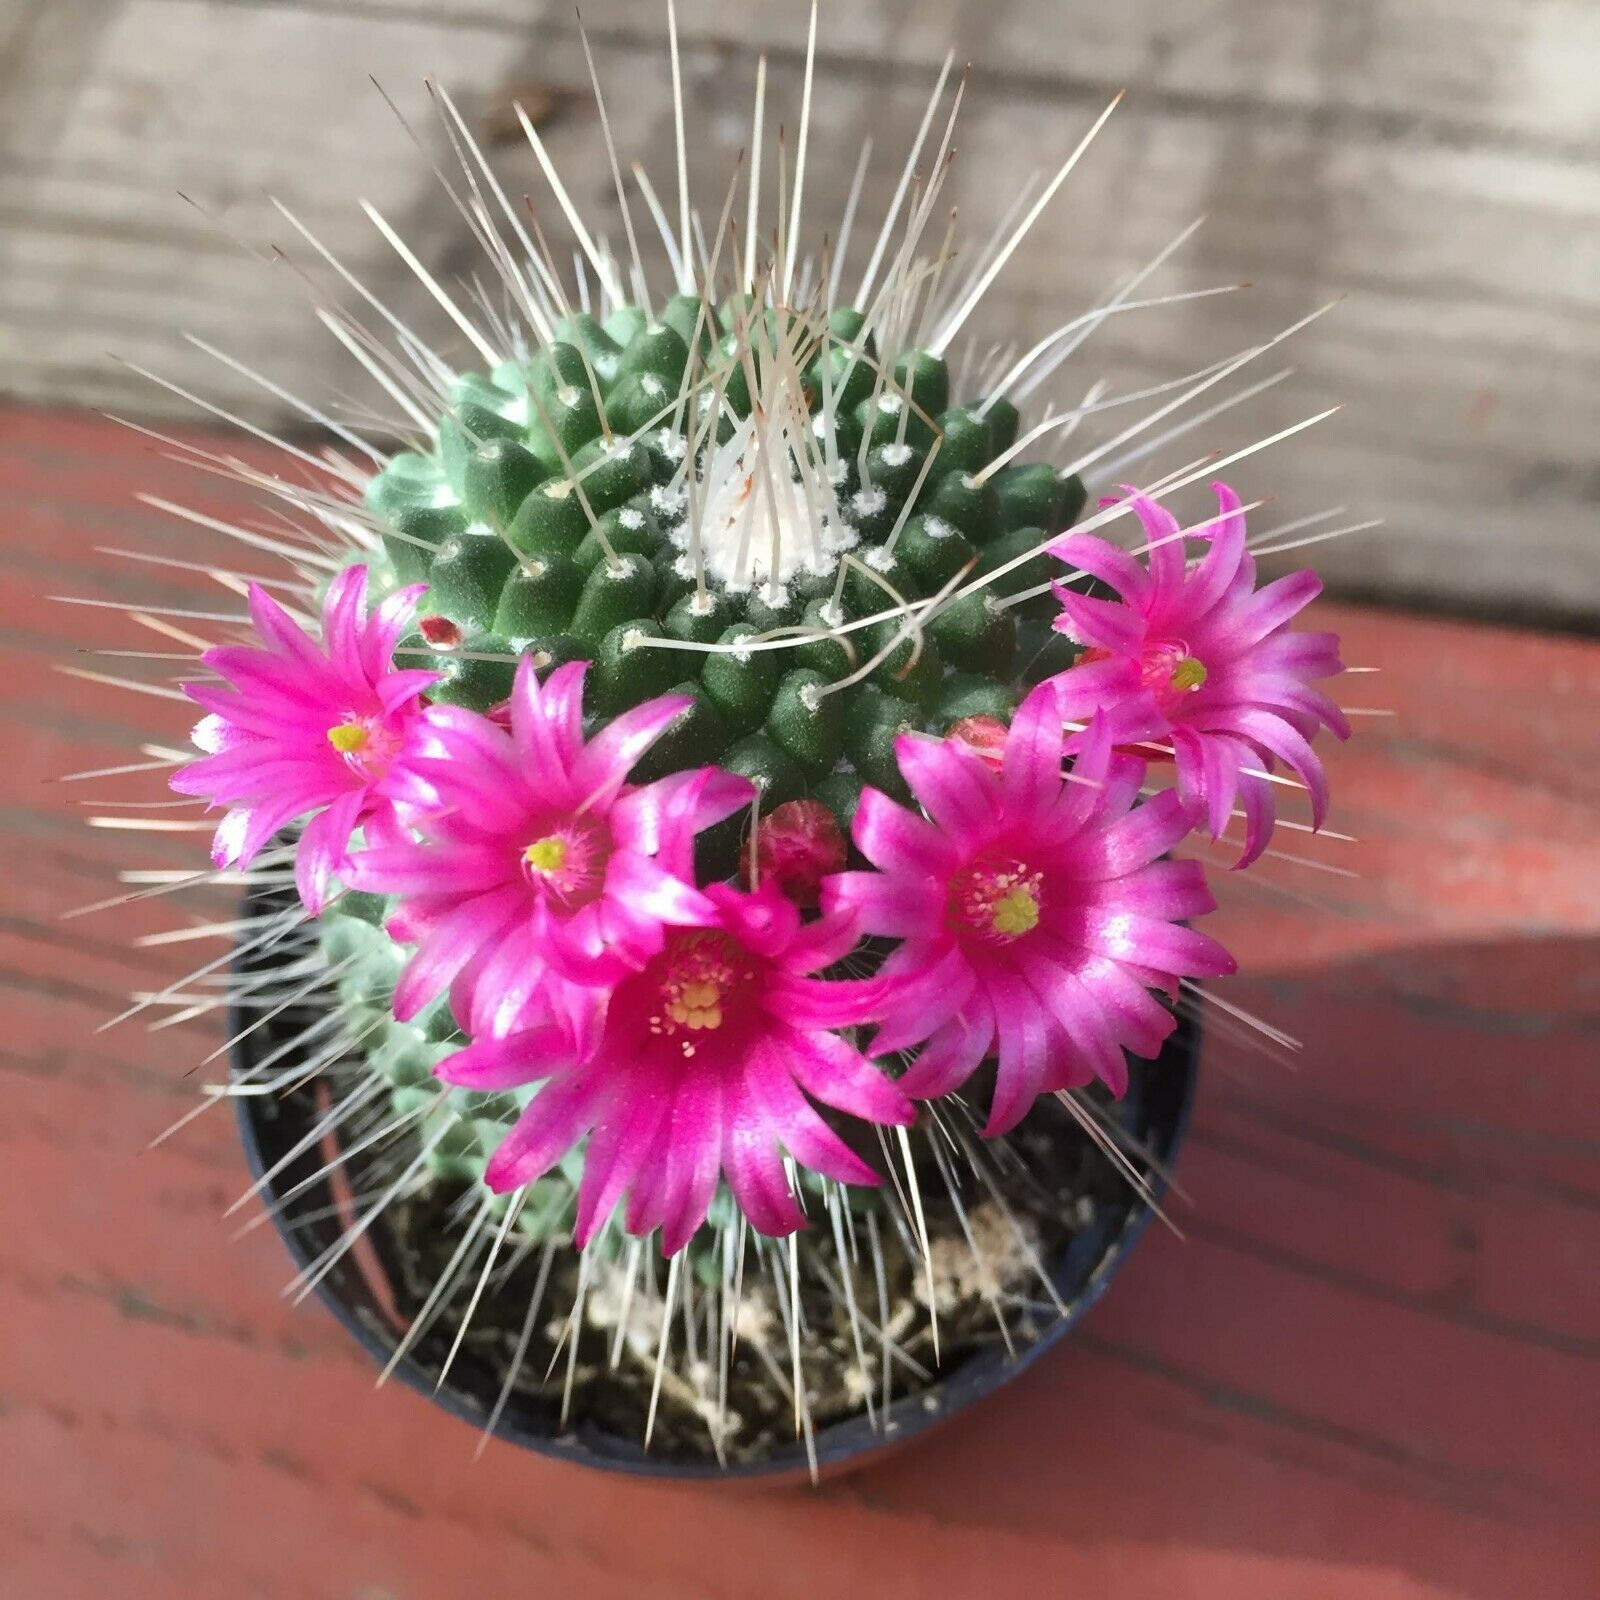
(1017, 913)
(546, 855)
(1190, 673)
(697, 1005)
(348, 738)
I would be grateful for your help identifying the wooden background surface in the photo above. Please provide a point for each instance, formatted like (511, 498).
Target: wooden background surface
(1368, 1373)
(1436, 160)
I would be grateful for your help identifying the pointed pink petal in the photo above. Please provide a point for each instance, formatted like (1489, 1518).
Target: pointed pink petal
(1106, 562)
(285, 637)
(812, 1004)
(1031, 772)
(831, 1071)
(384, 627)
(620, 1145)
(821, 942)
(1165, 556)
(1160, 946)
(952, 1055)
(1290, 746)
(755, 1172)
(1146, 833)
(554, 1120)
(697, 1138)
(917, 1005)
(1276, 603)
(1090, 686)
(398, 689)
(1171, 890)
(763, 921)
(473, 926)
(1024, 1053)
(412, 868)
(322, 848)
(1255, 796)
(1211, 580)
(650, 893)
(603, 765)
(491, 1065)
(545, 743)
(896, 907)
(662, 818)
(248, 829)
(951, 782)
(1101, 624)
(343, 611)
(893, 839)
(800, 1130)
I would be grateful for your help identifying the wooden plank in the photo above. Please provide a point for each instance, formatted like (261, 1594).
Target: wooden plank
(1367, 1374)
(1452, 192)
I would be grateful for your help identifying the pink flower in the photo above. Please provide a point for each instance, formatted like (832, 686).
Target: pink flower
(1201, 660)
(305, 729)
(1034, 912)
(539, 872)
(698, 1068)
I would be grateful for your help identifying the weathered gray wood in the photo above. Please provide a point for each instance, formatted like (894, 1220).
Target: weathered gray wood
(1436, 163)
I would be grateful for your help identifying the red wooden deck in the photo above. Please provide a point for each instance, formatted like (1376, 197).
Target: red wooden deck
(1370, 1370)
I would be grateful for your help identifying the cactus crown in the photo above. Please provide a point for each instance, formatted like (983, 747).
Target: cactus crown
(763, 507)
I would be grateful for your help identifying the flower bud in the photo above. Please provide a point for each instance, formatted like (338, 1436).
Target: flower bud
(797, 845)
(985, 735)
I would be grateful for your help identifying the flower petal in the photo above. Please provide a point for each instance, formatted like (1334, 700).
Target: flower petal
(951, 782)
(896, 907)
(1103, 560)
(953, 1054)
(323, 847)
(602, 766)
(892, 838)
(492, 1065)
(831, 1071)
(755, 1172)
(619, 1146)
(553, 1121)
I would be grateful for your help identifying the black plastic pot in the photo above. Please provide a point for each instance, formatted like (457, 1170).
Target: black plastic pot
(1155, 1111)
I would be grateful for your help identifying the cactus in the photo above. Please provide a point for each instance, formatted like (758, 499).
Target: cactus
(741, 475)
(714, 716)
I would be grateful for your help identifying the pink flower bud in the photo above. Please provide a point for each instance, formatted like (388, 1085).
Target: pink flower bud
(986, 735)
(796, 846)
(440, 632)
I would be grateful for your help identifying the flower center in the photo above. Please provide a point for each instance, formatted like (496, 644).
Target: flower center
(568, 863)
(699, 977)
(366, 745)
(1169, 672)
(1017, 913)
(696, 1004)
(348, 738)
(546, 855)
(999, 900)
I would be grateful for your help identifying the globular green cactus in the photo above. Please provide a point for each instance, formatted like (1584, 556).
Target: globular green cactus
(756, 506)
(688, 564)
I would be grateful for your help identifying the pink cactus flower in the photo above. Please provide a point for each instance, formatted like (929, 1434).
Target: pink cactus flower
(701, 1065)
(306, 730)
(539, 872)
(1034, 912)
(1199, 660)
